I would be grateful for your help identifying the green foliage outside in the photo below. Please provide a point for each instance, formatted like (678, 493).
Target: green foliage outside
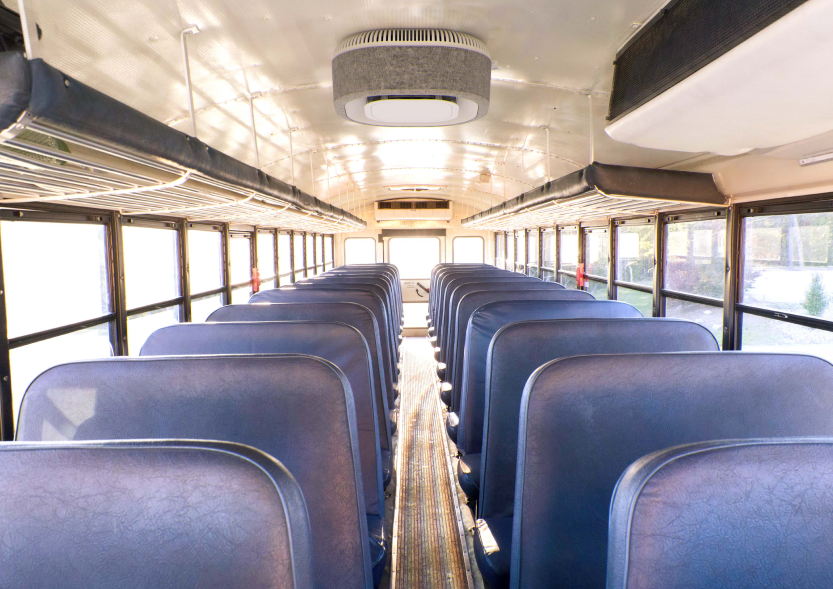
(816, 299)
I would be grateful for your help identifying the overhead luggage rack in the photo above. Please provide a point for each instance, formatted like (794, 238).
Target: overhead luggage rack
(64, 141)
(600, 190)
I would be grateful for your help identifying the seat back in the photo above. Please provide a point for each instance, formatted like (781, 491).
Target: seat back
(444, 277)
(454, 279)
(379, 284)
(698, 499)
(468, 303)
(518, 349)
(338, 295)
(349, 313)
(291, 407)
(489, 318)
(604, 412)
(338, 343)
(151, 514)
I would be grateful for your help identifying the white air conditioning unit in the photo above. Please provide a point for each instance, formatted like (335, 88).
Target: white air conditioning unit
(414, 210)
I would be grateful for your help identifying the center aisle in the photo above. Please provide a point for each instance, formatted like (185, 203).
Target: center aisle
(427, 545)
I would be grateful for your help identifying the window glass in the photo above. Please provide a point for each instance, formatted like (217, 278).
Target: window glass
(310, 251)
(29, 361)
(500, 243)
(468, 250)
(709, 317)
(532, 271)
(510, 252)
(770, 335)
(695, 257)
(360, 250)
(414, 314)
(241, 295)
(568, 251)
(643, 301)
(73, 256)
(328, 248)
(319, 250)
(532, 247)
(547, 275)
(202, 308)
(568, 281)
(284, 254)
(414, 256)
(548, 249)
(520, 249)
(597, 289)
(139, 327)
(635, 254)
(596, 252)
(788, 264)
(328, 266)
(151, 265)
(266, 254)
(241, 259)
(298, 251)
(205, 253)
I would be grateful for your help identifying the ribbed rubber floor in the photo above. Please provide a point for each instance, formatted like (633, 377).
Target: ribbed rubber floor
(428, 549)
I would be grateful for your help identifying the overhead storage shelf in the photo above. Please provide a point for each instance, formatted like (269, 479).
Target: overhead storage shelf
(600, 190)
(66, 142)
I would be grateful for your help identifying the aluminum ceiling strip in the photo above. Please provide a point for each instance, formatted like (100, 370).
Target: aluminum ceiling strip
(65, 141)
(600, 190)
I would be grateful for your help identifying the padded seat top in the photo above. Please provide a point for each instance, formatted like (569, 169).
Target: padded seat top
(289, 406)
(151, 514)
(518, 349)
(677, 516)
(338, 343)
(489, 318)
(604, 412)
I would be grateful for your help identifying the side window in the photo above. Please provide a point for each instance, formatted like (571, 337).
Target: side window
(285, 258)
(568, 256)
(266, 259)
(414, 256)
(240, 252)
(635, 266)
(548, 256)
(205, 262)
(298, 255)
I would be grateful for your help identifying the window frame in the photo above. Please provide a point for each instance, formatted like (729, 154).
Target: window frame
(375, 249)
(482, 243)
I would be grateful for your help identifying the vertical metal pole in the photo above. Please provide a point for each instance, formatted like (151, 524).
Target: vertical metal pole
(540, 254)
(311, 173)
(277, 259)
(581, 253)
(6, 402)
(253, 246)
(185, 269)
(183, 36)
(592, 131)
(30, 32)
(557, 254)
(304, 246)
(254, 130)
(314, 253)
(659, 267)
(291, 156)
(734, 263)
(226, 264)
(611, 261)
(118, 289)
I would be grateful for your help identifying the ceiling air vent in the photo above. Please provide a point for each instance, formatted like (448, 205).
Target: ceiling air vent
(409, 210)
(411, 78)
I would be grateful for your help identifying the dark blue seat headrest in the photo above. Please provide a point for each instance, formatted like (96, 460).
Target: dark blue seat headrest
(602, 413)
(298, 409)
(725, 514)
(151, 514)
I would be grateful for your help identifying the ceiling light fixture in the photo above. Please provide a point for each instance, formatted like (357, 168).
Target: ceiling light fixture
(411, 78)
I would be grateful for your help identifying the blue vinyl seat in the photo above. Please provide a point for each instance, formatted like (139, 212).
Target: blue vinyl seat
(288, 406)
(167, 513)
(516, 352)
(602, 413)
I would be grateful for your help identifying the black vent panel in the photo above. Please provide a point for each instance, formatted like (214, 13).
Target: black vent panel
(412, 205)
(686, 36)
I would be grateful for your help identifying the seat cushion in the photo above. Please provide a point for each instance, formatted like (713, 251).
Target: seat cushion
(387, 467)
(493, 549)
(378, 546)
(468, 473)
(451, 423)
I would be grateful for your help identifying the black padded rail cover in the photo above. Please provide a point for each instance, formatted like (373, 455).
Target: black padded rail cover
(34, 90)
(298, 409)
(619, 408)
(677, 516)
(684, 37)
(492, 313)
(338, 343)
(623, 181)
(151, 514)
